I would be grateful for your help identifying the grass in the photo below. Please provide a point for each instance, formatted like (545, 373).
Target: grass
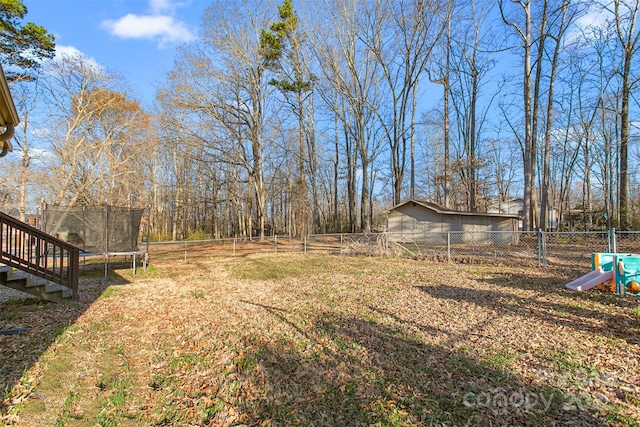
(501, 359)
(197, 293)
(112, 292)
(284, 339)
(281, 267)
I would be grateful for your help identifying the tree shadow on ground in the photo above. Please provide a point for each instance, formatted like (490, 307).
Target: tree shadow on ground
(553, 281)
(355, 371)
(44, 322)
(578, 317)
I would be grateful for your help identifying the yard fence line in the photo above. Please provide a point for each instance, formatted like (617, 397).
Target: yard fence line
(533, 248)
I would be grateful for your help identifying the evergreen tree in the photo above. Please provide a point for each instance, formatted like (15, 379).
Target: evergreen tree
(281, 48)
(22, 45)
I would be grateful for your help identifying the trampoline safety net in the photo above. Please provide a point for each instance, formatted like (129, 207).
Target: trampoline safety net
(100, 229)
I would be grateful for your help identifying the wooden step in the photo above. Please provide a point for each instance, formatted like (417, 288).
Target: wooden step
(35, 281)
(17, 275)
(4, 271)
(51, 288)
(33, 285)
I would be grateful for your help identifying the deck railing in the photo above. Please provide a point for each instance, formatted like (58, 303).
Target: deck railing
(28, 249)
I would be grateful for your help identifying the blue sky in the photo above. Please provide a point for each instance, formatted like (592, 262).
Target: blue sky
(134, 38)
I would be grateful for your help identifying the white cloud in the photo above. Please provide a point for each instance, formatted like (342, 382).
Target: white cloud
(40, 132)
(160, 25)
(160, 6)
(41, 154)
(62, 50)
(594, 18)
(70, 51)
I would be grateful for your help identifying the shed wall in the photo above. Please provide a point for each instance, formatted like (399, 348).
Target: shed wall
(415, 223)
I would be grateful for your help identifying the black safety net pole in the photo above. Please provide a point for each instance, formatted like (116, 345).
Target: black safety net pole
(106, 239)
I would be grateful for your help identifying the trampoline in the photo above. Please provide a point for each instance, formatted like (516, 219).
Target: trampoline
(105, 231)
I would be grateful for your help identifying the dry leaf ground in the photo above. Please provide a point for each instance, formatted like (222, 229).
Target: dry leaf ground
(281, 339)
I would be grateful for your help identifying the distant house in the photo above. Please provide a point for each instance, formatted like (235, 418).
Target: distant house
(8, 116)
(516, 206)
(425, 222)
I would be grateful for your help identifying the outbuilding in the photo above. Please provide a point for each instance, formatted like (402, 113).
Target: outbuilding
(516, 206)
(425, 222)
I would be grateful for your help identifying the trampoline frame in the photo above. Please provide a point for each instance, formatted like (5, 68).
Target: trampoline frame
(106, 253)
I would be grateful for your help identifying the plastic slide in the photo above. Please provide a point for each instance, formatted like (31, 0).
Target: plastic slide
(590, 280)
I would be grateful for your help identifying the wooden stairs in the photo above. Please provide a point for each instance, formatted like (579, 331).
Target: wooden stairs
(34, 285)
(36, 263)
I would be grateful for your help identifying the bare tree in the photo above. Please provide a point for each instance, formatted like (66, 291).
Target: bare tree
(534, 29)
(283, 50)
(401, 35)
(26, 101)
(503, 160)
(352, 73)
(442, 76)
(96, 134)
(221, 84)
(562, 18)
(626, 14)
(524, 32)
(600, 108)
(472, 58)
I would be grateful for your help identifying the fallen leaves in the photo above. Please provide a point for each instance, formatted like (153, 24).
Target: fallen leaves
(328, 341)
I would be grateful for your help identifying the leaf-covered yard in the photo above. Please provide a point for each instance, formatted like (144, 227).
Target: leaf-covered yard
(282, 339)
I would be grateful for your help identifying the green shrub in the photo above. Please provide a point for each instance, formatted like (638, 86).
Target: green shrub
(157, 237)
(198, 235)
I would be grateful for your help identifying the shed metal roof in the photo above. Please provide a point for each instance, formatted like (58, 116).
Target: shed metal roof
(445, 211)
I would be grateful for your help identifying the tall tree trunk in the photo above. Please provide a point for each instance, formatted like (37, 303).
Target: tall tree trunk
(473, 184)
(351, 181)
(365, 206)
(176, 203)
(528, 144)
(546, 168)
(413, 140)
(318, 223)
(336, 166)
(535, 109)
(628, 38)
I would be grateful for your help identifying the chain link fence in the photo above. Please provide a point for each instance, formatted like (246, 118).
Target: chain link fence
(626, 241)
(474, 247)
(335, 244)
(531, 249)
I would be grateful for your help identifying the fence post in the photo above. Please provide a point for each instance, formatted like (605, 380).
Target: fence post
(341, 244)
(185, 251)
(305, 244)
(544, 248)
(539, 264)
(540, 247)
(275, 243)
(234, 246)
(448, 246)
(609, 241)
(74, 266)
(613, 240)
(386, 244)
